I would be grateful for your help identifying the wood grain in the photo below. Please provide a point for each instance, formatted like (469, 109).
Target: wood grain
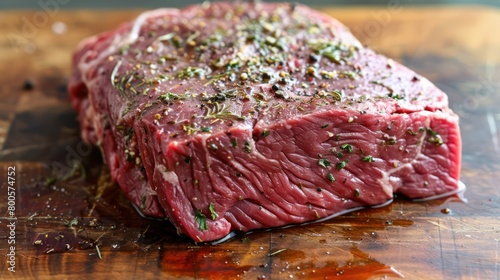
(74, 219)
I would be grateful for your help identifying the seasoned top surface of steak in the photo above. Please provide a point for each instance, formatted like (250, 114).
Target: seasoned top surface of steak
(230, 66)
(237, 107)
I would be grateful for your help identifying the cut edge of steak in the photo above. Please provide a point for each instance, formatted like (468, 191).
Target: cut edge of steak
(326, 128)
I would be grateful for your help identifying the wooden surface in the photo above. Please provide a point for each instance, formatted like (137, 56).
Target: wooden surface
(75, 219)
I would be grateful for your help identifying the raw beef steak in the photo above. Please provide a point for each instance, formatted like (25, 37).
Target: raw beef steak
(230, 117)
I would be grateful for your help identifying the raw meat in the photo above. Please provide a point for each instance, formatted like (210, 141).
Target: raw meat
(230, 117)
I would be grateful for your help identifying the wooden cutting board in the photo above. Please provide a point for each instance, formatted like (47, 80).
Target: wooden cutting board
(83, 228)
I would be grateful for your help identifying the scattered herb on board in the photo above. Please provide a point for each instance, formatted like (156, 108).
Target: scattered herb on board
(98, 252)
(276, 252)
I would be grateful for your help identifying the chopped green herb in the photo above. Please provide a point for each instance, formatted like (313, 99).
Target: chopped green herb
(324, 126)
(431, 132)
(395, 96)
(367, 159)
(436, 139)
(187, 159)
(169, 96)
(323, 163)
(330, 177)
(247, 147)
(190, 129)
(212, 211)
(337, 94)
(190, 72)
(220, 111)
(234, 142)
(346, 147)
(341, 165)
(265, 133)
(201, 219)
(213, 147)
(356, 192)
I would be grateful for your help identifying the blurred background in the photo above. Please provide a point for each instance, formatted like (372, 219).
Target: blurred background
(129, 4)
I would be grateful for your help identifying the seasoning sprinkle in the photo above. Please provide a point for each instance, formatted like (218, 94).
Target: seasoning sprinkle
(330, 177)
(247, 147)
(346, 147)
(341, 165)
(356, 193)
(367, 159)
(212, 211)
(323, 163)
(201, 219)
(213, 147)
(234, 142)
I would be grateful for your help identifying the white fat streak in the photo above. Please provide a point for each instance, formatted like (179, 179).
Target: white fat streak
(385, 180)
(203, 139)
(168, 176)
(147, 190)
